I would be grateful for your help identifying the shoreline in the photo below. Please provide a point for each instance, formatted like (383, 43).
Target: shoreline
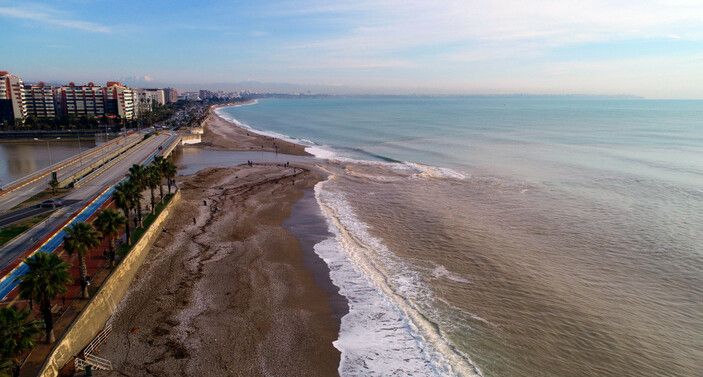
(223, 134)
(309, 226)
(233, 285)
(404, 340)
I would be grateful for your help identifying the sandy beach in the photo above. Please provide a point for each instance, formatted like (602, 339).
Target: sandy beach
(227, 289)
(222, 134)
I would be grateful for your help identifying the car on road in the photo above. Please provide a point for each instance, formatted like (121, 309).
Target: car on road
(52, 203)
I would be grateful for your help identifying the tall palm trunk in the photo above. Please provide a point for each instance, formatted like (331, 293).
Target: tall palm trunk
(153, 208)
(161, 191)
(83, 267)
(111, 252)
(139, 212)
(126, 226)
(169, 185)
(48, 319)
(16, 367)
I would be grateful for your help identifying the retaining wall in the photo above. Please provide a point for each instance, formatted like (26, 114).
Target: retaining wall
(101, 306)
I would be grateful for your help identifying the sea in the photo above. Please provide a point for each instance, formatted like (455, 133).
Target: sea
(508, 235)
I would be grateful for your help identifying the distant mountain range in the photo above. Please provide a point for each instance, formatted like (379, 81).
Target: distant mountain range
(292, 88)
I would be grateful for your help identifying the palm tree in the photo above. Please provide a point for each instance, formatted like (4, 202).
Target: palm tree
(17, 334)
(152, 180)
(170, 173)
(137, 175)
(80, 238)
(123, 201)
(47, 277)
(108, 223)
(159, 164)
(135, 197)
(7, 368)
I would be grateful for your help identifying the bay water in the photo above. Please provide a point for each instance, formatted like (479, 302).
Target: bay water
(19, 158)
(508, 236)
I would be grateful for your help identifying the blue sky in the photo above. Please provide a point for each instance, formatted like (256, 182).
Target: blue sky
(648, 48)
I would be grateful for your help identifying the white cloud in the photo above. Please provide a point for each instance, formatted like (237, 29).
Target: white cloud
(51, 17)
(381, 27)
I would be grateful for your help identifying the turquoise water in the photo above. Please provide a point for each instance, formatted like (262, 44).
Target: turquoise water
(541, 236)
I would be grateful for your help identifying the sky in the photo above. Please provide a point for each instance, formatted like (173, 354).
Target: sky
(652, 49)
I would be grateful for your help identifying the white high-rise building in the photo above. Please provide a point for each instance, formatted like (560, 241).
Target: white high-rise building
(12, 97)
(119, 100)
(40, 101)
(146, 99)
(80, 100)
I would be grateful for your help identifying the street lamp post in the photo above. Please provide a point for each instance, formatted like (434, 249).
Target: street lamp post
(50, 154)
(48, 149)
(80, 151)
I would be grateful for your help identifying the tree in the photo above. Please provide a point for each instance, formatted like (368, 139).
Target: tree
(135, 197)
(159, 163)
(108, 223)
(123, 201)
(7, 368)
(30, 122)
(47, 277)
(153, 180)
(80, 238)
(17, 333)
(137, 175)
(54, 184)
(170, 173)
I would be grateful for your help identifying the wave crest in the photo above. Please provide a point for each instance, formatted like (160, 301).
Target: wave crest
(383, 333)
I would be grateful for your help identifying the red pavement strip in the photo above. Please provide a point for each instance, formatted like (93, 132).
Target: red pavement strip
(13, 295)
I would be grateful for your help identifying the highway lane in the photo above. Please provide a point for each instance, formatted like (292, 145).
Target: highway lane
(142, 151)
(68, 167)
(120, 169)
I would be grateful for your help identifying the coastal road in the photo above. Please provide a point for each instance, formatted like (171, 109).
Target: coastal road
(38, 182)
(80, 196)
(24, 213)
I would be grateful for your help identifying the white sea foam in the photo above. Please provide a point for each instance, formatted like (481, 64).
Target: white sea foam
(321, 152)
(239, 123)
(427, 171)
(326, 153)
(441, 272)
(383, 334)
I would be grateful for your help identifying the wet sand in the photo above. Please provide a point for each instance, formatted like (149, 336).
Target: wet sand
(219, 133)
(235, 292)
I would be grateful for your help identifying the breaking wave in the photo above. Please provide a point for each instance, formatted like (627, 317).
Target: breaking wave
(383, 334)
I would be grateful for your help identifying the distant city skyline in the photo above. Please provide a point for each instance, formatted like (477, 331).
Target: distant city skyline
(652, 49)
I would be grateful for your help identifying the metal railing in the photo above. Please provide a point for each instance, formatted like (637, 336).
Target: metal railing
(94, 361)
(21, 182)
(91, 359)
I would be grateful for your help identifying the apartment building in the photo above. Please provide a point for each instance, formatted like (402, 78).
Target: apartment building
(119, 100)
(17, 101)
(12, 105)
(40, 100)
(146, 99)
(80, 100)
(170, 95)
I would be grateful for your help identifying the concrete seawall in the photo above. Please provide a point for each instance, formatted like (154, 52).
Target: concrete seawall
(93, 318)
